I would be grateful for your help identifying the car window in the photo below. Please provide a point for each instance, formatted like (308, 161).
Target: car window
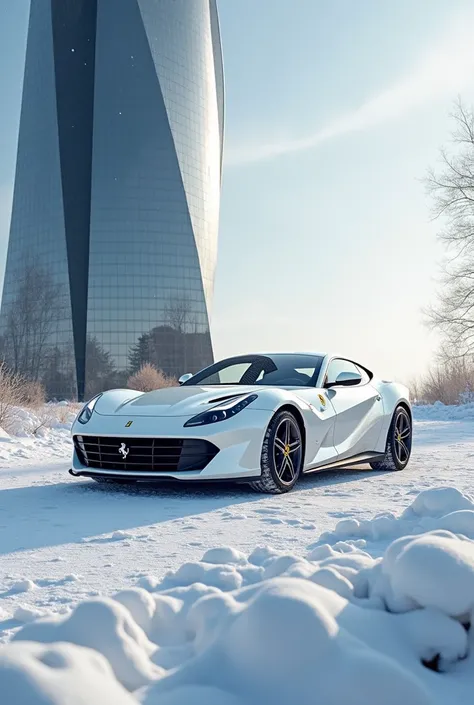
(233, 374)
(337, 366)
(279, 369)
(229, 375)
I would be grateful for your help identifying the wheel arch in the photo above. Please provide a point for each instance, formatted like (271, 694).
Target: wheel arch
(393, 404)
(405, 405)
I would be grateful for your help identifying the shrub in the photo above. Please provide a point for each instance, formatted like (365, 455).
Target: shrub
(49, 416)
(11, 395)
(64, 413)
(149, 378)
(33, 394)
(451, 382)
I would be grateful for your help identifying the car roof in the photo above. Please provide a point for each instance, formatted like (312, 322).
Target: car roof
(325, 355)
(311, 353)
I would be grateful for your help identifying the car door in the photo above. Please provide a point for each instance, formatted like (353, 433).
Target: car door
(358, 409)
(320, 422)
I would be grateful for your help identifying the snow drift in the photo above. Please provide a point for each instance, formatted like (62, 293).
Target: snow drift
(35, 433)
(444, 412)
(335, 626)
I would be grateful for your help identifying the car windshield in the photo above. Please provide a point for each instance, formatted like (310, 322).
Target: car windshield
(280, 370)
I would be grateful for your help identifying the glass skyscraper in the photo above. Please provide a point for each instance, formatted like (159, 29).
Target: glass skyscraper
(113, 238)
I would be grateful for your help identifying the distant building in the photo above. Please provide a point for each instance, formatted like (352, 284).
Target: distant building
(114, 228)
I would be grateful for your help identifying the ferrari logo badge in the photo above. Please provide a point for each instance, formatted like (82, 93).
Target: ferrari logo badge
(128, 424)
(322, 399)
(124, 451)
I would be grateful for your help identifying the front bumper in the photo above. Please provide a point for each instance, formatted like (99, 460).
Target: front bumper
(158, 478)
(239, 441)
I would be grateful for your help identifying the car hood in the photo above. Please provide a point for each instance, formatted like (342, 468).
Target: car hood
(173, 401)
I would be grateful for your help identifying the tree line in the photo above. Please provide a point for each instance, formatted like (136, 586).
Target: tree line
(451, 189)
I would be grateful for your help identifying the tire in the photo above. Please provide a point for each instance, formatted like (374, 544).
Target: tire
(399, 442)
(282, 455)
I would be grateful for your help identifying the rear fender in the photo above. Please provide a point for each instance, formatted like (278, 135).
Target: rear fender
(393, 395)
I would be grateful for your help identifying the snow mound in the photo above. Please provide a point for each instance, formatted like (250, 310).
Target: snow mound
(23, 586)
(24, 614)
(438, 502)
(140, 604)
(225, 554)
(33, 674)
(434, 570)
(106, 626)
(337, 626)
(444, 508)
(38, 433)
(225, 577)
(443, 412)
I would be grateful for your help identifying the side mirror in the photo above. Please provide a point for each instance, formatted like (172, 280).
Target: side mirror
(346, 379)
(184, 378)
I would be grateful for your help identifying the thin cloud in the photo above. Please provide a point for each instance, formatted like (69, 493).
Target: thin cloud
(445, 70)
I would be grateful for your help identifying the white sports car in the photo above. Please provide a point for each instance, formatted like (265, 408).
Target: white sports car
(264, 419)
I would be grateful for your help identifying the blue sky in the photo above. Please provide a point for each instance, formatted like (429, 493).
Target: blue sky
(334, 111)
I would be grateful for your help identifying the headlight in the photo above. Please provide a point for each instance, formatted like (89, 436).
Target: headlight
(221, 412)
(87, 411)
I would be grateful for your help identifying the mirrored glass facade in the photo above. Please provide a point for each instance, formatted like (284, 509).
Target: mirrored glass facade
(113, 238)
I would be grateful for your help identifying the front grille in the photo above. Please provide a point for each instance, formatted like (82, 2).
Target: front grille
(142, 454)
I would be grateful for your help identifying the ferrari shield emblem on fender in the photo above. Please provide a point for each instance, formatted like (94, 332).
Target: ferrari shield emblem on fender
(322, 399)
(128, 424)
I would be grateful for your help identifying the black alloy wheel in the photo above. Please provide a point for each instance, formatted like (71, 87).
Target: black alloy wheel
(282, 455)
(402, 437)
(399, 442)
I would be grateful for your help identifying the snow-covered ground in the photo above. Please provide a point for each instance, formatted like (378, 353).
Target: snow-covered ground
(317, 598)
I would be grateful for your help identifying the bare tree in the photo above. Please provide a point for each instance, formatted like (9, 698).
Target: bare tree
(31, 317)
(451, 382)
(415, 387)
(178, 314)
(452, 189)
